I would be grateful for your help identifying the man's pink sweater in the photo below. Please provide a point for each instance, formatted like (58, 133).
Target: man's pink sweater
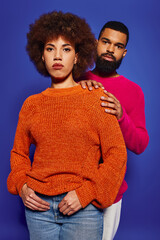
(132, 122)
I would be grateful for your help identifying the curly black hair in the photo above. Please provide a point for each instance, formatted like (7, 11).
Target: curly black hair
(73, 28)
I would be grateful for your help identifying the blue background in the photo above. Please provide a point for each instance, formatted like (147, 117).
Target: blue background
(140, 212)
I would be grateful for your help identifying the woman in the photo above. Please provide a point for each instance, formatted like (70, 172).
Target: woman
(65, 187)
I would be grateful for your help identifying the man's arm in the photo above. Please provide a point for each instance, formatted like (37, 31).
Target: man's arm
(132, 124)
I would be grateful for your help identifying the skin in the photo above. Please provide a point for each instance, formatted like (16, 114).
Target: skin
(59, 51)
(111, 42)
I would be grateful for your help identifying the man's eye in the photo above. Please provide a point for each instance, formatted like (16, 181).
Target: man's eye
(105, 42)
(119, 47)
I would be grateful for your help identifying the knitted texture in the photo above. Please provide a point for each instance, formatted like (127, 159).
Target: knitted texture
(132, 123)
(70, 131)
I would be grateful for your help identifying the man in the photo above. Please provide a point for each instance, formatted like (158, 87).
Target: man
(124, 99)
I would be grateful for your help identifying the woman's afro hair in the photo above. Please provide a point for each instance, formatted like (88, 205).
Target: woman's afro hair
(71, 27)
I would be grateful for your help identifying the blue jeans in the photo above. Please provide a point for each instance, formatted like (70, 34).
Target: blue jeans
(86, 224)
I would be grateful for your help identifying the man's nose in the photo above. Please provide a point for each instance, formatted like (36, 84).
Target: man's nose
(110, 48)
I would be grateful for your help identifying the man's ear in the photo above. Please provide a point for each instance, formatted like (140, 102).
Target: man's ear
(124, 53)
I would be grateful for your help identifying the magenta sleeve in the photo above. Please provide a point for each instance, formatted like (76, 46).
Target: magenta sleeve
(133, 125)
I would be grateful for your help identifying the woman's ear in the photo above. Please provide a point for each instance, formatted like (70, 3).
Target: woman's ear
(42, 58)
(76, 58)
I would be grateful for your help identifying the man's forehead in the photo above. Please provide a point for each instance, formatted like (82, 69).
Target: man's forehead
(114, 35)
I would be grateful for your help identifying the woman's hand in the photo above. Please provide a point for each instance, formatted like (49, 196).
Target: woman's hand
(70, 203)
(112, 105)
(90, 84)
(32, 201)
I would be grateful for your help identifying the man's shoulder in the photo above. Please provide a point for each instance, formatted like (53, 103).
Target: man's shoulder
(130, 84)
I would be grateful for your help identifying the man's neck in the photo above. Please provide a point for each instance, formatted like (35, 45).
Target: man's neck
(105, 75)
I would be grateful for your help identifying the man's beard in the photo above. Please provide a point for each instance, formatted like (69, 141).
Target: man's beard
(106, 67)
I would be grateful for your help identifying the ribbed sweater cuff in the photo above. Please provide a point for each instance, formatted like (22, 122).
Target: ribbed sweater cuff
(86, 193)
(20, 185)
(15, 182)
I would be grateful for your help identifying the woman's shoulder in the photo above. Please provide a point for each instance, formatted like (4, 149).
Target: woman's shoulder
(33, 98)
(95, 110)
(30, 103)
(92, 99)
(94, 94)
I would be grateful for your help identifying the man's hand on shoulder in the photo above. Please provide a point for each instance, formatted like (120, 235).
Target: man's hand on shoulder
(90, 84)
(112, 105)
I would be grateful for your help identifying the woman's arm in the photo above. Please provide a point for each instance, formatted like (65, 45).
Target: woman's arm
(102, 182)
(21, 164)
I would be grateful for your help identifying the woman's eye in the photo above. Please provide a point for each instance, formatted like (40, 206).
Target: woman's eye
(49, 49)
(67, 49)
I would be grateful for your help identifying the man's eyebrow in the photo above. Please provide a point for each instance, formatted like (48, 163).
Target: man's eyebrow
(118, 43)
(104, 38)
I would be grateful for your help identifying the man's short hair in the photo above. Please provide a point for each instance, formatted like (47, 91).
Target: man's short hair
(118, 26)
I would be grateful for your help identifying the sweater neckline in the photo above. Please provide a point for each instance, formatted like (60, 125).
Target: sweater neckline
(108, 78)
(62, 91)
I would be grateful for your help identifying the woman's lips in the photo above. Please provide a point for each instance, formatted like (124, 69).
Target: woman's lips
(57, 66)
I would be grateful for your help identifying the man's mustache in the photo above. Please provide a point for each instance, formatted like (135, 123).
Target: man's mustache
(108, 55)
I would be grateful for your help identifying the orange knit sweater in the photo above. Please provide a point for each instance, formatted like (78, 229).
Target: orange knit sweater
(70, 131)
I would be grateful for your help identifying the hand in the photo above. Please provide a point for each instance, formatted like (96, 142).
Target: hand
(90, 84)
(32, 201)
(70, 203)
(113, 105)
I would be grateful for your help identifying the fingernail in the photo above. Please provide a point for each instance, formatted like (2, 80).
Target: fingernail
(83, 87)
(106, 110)
(90, 88)
(103, 104)
(102, 87)
(105, 91)
(102, 97)
(96, 86)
